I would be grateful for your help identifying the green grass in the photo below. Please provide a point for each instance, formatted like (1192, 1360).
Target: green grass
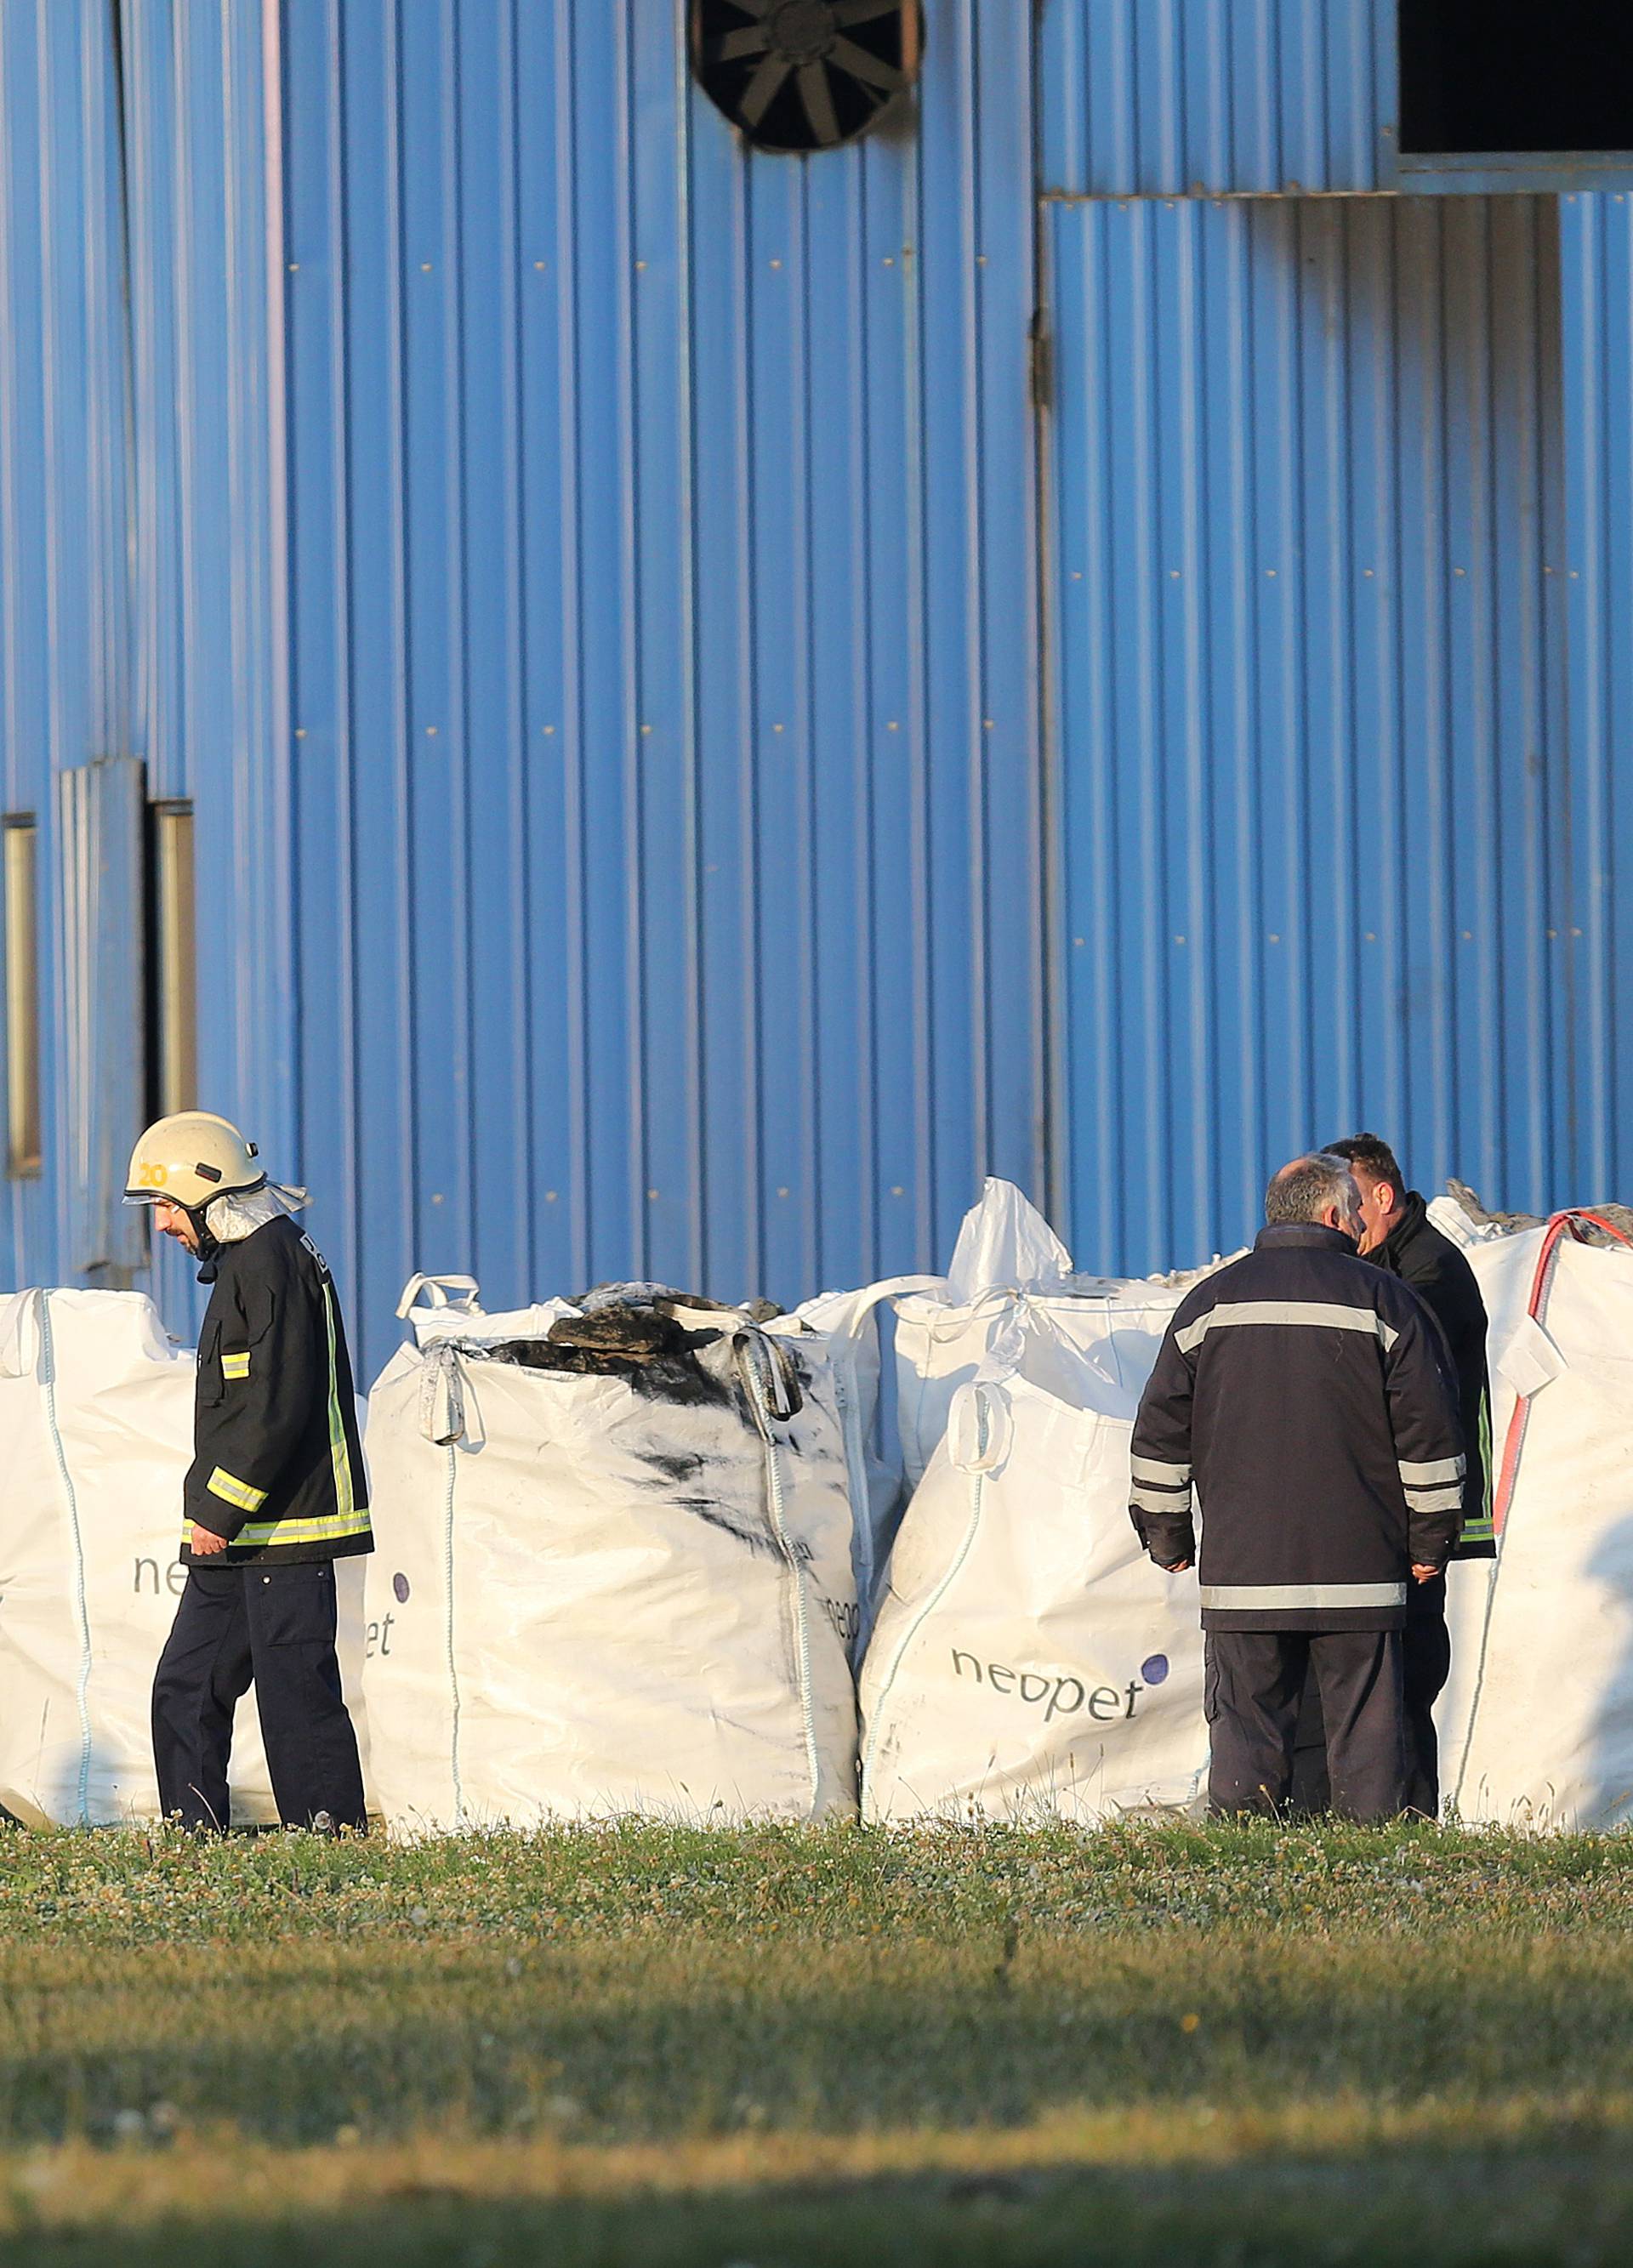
(661, 2046)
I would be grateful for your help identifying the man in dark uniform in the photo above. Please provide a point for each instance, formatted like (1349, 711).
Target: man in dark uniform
(1301, 1395)
(1397, 1234)
(275, 1495)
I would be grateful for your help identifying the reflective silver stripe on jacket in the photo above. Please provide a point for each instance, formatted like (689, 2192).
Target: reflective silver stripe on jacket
(1445, 1500)
(1315, 1314)
(1161, 1500)
(1269, 1596)
(1426, 1475)
(1178, 1476)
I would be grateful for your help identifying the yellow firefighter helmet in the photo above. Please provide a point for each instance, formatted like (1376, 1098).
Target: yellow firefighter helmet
(188, 1159)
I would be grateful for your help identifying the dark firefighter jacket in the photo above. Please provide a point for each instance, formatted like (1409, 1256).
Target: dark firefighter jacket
(1302, 1393)
(277, 1467)
(1416, 1251)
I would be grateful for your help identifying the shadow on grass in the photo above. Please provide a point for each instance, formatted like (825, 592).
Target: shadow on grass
(643, 2049)
(1463, 2212)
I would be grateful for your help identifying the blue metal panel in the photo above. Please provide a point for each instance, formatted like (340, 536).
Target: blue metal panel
(206, 419)
(1161, 98)
(100, 817)
(585, 578)
(1324, 805)
(1497, 174)
(64, 672)
(663, 561)
(1596, 945)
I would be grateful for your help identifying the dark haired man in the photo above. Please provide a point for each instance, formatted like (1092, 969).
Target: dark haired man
(1397, 1234)
(1304, 1397)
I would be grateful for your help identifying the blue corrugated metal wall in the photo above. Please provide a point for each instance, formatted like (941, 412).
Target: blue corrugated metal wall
(664, 655)
(65, 595)
(1597, 292)
(1319, 791)
(1166, 98)
(587, 578)
(208, 649)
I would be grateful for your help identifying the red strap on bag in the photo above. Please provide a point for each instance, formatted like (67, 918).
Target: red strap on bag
(1541, 1283)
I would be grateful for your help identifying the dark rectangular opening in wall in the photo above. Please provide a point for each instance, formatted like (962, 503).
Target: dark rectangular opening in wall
(1511, 74)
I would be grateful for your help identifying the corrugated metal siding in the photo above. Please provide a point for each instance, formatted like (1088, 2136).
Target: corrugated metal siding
(1337, 798)
(208, 649)
(664, 655)
(608, 683)
(1159, 97)
(1597, 275)
(64, 647)
(99, 831)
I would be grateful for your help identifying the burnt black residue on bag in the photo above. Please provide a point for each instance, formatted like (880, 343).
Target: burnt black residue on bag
(631, 1331)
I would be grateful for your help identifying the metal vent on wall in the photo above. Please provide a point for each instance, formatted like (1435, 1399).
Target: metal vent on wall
(799, 75)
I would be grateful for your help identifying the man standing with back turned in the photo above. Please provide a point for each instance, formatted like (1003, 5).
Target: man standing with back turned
(1302, 1393)
(275, 1495)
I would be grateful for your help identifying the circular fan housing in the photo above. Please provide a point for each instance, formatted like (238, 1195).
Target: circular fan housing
(799, 75)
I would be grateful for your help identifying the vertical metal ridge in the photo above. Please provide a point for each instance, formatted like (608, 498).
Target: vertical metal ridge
(400, 681)
(579, 1189)
(337, 460)
(458, 569)
(523, 1195)
(697, 1221)
(631, 407)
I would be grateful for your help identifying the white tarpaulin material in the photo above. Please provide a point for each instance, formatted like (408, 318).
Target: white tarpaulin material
(1028, 1661)
(1010, 1286)
(96, 1411)
(846, 1328)
(1537, 1723)
(594, 1597)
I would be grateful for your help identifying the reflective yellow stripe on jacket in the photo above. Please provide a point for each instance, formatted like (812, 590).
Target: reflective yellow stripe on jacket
(347, 1517)
(329, 1529)
(236, 1492)
(1478, 1527)
(235, 1365)
(340, 1457)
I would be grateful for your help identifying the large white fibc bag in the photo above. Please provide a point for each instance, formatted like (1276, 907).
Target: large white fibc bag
(597, 1597)
(840, 1330)
(1537, 1723)
(96, 1411)
(1028, 1661)
(1011, 1283)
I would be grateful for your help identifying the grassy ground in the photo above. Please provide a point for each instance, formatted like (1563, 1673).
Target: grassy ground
(658, 2045)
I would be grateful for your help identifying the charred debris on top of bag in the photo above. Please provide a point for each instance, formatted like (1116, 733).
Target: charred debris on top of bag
(636, 1332)
(1619, 1216)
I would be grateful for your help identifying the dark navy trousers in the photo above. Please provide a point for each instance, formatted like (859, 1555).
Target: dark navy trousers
(273, 1625)
(1255, 1685)
(1426, 1664)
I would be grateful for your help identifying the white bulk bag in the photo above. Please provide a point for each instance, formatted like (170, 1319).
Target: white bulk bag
(844, 1328)
(592, 1601)
(1029, 1662)
(96, 1411)
(1537, 1723)
(1011, 1283)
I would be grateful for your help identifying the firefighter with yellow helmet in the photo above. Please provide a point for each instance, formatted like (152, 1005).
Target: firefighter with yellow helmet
(275, 1495)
